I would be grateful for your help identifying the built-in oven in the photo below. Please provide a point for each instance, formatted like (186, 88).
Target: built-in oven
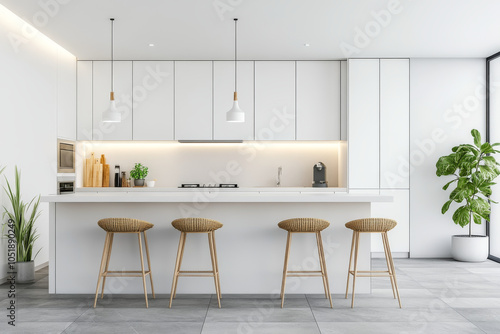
(65, 156)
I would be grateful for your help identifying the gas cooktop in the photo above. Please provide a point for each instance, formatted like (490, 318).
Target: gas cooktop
(209, 185)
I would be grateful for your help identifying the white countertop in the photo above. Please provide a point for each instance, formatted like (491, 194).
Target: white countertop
(215, 195)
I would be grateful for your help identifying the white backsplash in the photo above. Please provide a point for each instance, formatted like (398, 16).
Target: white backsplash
(249, 164)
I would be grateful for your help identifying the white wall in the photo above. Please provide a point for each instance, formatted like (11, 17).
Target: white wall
(250, 164)
(446, 101)
(28, 116)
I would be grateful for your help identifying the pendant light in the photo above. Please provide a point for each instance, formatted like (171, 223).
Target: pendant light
(235, 114)
(112, 115)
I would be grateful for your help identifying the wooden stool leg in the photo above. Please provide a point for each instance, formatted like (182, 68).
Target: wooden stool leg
(389, 268)
(285, 267)
(356, 247)
(214, 271)
(101, 268)
(392, 266)
(183, 236)
(321, 264)
(350, 263)
(149, 264)
(176, 270)
(142, 269)
(110, 247)
(325, 274)
(216, 263)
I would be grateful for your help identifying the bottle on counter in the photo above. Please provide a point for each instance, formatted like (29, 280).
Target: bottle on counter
(124, 182)
(118, 180)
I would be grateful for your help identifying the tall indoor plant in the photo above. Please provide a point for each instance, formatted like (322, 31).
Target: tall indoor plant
(473, 168)
(22, 217)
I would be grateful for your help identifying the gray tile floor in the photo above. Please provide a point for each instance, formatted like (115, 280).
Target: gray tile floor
(438, 296)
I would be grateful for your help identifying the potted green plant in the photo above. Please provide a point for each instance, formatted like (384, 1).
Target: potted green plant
(139, 173)
(473, 169)
(21, 220)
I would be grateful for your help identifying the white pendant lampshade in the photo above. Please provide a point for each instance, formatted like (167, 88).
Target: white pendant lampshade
(235, 114)
(112, 114)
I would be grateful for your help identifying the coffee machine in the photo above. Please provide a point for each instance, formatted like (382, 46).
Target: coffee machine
(319, 175)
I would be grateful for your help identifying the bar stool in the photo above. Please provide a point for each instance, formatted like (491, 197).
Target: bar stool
(123, 225)
(371, 225)
(305, 225)
(196, 225)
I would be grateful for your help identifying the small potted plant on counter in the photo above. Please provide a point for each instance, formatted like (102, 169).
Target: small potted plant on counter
(473, 168)
(21, 224)
(139, 173)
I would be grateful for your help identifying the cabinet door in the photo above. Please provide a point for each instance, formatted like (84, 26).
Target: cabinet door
(84, 100)
(363, 124)
(193, 100)
(318, 100)
(275, 100)
(66, 95)
(394, 123)
(223, 100)
(123, 97)
(153, 96)
(343, 100)
(399, 210)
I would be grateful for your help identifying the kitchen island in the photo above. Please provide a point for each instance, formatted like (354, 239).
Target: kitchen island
(250, 245)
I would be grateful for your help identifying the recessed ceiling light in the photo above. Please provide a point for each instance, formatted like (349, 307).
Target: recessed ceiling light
(307, 44)
(151, 44)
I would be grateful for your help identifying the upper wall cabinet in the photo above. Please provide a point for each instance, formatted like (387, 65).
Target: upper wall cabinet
(123, 98)
(223, 100)
(394, 123)
(66, 97)
(153, 100)
(275, 100)
(318, 100)
(84, 100)
(193, 100)
(343, 100)
(363, 104)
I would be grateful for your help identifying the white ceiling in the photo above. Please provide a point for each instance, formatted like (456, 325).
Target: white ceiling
(268, 29)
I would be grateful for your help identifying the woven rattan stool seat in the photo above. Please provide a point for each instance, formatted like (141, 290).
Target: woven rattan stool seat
(375, 225)
(194, 225)
(304, 225)
(117, 225)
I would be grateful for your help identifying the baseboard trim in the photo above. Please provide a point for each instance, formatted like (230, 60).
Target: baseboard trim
(396, 255)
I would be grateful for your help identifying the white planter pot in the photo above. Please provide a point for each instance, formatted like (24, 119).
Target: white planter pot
(25, 272)
(469, 249)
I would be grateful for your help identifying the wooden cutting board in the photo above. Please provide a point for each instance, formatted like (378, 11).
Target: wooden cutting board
(105, 175)
(87, 180)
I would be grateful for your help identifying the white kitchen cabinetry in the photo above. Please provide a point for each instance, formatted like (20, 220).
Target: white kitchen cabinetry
(275, 100)
(153, 100)
(399, 210)
(66, 95)
(84, 100)
(318, 100)
(193, 100)
(394, 123)
(123, 97)
(223, 100)
(363, 104)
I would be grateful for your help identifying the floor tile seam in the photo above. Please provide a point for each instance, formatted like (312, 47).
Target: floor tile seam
(206, 314)
(314, 317)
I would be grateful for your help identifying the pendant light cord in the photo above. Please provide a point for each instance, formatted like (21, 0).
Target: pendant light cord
(235, 55)
(112, 55)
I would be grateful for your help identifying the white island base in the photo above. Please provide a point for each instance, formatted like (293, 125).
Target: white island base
(250, 246)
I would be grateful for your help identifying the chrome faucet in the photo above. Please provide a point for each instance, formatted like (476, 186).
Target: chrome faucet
(280, 172)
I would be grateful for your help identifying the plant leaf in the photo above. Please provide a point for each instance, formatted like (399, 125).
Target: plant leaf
(461, 216)
(477, 137)
(446, 165)
(446, 206)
